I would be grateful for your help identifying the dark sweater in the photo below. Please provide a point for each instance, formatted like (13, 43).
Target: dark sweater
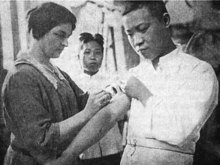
(33, 107)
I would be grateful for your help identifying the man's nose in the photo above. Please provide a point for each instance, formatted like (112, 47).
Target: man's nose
(138, 39)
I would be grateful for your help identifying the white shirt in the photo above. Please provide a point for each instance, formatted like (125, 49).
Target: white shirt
(111, 143)
(185, 91)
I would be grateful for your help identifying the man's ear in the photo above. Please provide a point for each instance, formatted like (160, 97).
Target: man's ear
(166, 19)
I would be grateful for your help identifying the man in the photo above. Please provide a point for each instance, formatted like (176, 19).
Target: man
(180, 95)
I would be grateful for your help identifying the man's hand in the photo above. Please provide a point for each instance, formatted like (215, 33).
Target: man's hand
(137, 90)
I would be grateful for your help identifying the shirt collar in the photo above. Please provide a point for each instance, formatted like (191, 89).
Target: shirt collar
(99, 74)
(26, 58)
(88, 73)
(164, 61)
(169, 58)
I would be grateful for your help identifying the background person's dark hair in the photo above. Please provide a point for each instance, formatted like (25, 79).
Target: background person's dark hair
(156, 8)
(88, 37)
(45, 17)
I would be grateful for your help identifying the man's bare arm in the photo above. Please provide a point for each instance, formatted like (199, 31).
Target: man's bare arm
(95, 129)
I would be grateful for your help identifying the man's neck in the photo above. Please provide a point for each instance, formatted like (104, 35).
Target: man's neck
(169, 49)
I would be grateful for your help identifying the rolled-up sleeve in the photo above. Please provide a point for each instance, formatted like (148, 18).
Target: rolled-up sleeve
(28, 119)
(180, 111)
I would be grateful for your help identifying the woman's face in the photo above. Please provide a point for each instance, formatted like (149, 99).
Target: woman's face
(53, 42)
(91, 56)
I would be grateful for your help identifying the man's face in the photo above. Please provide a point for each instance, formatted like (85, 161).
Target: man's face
(53, 42)
(91, 56)
(146, 33)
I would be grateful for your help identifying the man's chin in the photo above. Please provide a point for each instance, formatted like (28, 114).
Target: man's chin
(148, 57)
(143, 56)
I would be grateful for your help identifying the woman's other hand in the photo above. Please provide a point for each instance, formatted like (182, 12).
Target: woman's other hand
(97, 100)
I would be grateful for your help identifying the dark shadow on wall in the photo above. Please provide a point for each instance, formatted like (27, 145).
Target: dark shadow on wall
(205, 45)
(181, 33)
(4, 133)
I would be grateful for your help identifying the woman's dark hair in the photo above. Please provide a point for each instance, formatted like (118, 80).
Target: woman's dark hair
(156, 8)
(45, 17)
(215, 4)
(88, 37)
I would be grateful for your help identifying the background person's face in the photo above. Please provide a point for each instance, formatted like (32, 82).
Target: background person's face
(91, 55)
(56, 40)
(146, 34)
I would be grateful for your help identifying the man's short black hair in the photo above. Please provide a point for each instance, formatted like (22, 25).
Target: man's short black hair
(156, 8)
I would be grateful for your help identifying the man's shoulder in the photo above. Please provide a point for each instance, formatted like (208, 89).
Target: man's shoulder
(189, 62)
(187, 57)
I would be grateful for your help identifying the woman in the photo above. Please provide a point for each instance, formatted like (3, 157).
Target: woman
(44, 108)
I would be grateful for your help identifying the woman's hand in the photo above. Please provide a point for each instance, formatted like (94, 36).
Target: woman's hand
(96, 101)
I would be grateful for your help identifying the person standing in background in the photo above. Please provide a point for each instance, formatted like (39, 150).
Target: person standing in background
(109, 149)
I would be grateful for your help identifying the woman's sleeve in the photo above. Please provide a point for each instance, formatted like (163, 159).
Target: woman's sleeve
(27, 117)
(81, 96)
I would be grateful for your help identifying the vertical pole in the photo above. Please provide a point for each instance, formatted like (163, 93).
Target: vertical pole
(106, 49)
(15, 28)
(113, 47)
(22, 24)
(1, 51)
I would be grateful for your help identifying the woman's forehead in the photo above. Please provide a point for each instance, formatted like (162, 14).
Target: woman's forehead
(65, 28)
